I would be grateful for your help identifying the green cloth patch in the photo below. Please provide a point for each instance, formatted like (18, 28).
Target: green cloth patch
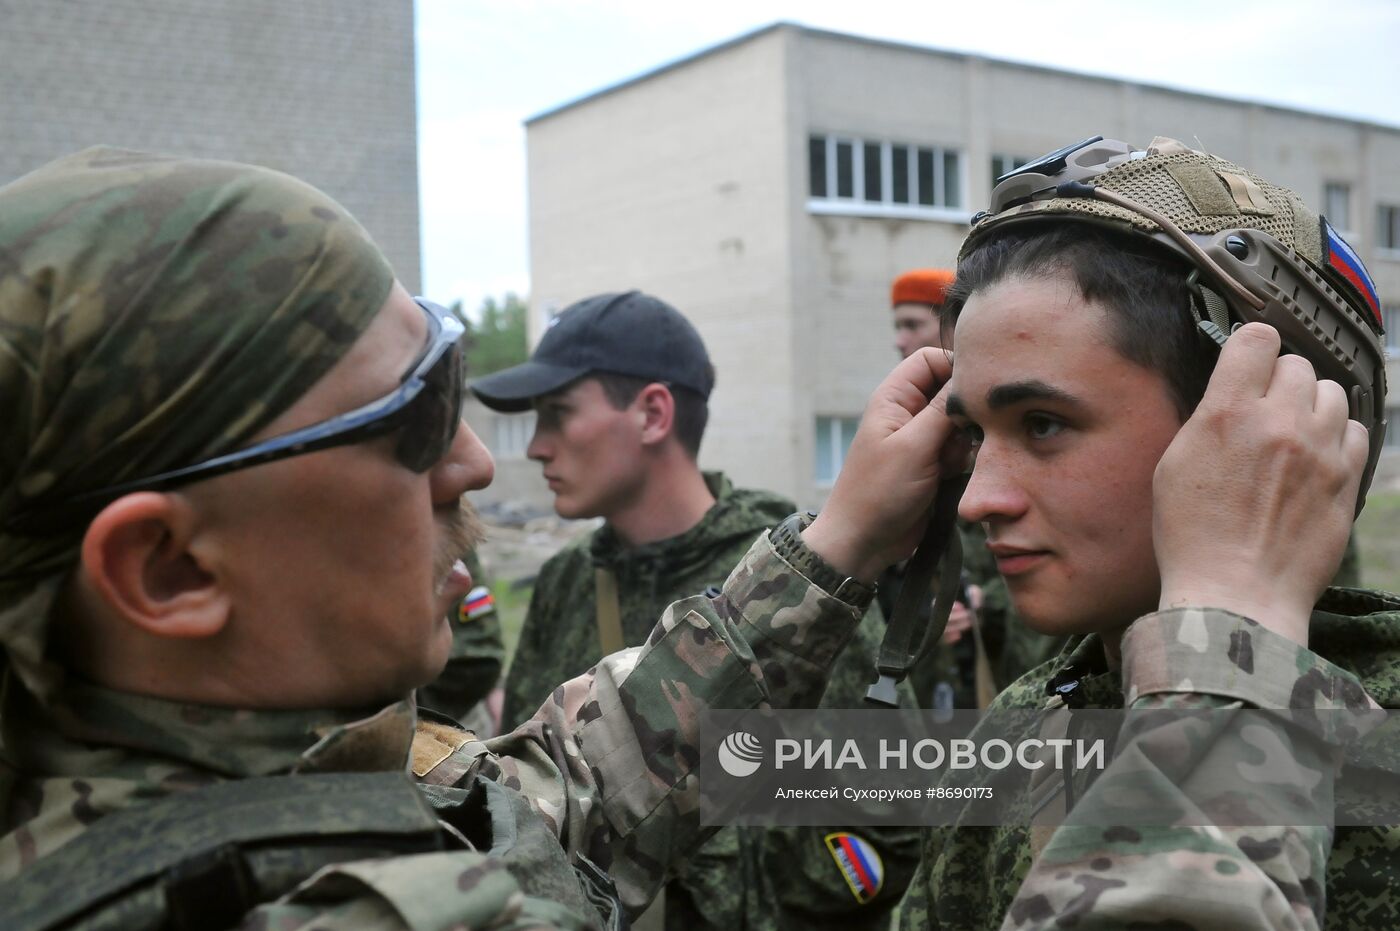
(1203, 188)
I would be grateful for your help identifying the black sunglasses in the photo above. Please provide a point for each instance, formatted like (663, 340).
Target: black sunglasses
(425, 408)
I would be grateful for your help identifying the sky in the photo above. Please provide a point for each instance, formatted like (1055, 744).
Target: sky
(485, 66)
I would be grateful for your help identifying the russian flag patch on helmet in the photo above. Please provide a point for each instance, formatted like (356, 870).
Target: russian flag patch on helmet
(1345, 262)
(478, 601)
(859, 864)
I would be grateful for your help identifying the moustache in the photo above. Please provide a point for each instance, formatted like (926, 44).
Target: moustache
(462, 532)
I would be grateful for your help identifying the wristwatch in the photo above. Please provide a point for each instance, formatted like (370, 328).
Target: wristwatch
(788, 544)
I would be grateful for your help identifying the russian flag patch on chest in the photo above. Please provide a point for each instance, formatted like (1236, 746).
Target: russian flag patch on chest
(478, 601)
(859, 863)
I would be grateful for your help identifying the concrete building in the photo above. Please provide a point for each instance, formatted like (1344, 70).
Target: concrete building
(773, 186)
(320, 89)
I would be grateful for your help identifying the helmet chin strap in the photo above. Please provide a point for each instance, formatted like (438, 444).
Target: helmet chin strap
(941, 550)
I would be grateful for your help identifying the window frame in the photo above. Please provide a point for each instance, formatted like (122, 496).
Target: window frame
(858, 204)
(1388, 243)
(1343, 225)
(511, 435)
(837, 448)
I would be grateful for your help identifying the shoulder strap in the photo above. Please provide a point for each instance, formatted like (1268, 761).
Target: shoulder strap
(190, 845)
(609, 611)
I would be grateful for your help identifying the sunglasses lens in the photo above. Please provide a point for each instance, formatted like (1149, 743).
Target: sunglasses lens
(431, 421)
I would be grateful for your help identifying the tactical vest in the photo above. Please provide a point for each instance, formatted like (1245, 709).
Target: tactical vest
(202, 859)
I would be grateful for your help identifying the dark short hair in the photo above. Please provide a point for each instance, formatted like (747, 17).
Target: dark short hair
(1144, 289)
(692, 411)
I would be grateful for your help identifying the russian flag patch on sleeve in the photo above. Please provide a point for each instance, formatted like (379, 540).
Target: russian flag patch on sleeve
(1344, 261)
(478, 601)
(859, 863)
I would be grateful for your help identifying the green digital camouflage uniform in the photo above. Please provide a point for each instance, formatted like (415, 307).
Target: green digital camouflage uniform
(1187, 878)
(478, 654)
(156, 312)
(744, 877)
(559, 637)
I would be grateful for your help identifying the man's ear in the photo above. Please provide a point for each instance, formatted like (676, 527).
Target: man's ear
(658, 410)
(137, 557)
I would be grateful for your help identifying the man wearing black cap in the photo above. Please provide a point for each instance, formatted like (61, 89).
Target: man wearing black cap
(620, 384)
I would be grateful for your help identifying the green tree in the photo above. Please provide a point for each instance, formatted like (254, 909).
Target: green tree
(495, 336)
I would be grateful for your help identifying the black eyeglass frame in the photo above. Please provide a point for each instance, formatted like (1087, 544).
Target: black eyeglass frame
(377, 418)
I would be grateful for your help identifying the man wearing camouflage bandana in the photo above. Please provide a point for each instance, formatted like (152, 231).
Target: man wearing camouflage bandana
(1180, 518)
(228, 529)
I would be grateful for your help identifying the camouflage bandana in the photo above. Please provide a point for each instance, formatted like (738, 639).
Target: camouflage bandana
(154, 312)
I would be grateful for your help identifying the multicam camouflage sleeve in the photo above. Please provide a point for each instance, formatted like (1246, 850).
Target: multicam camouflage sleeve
(443, 890)
(609, 761)
(1094, 874)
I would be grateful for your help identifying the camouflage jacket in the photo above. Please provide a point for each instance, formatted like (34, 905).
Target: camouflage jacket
(1185, 877)
(606, 764)
(745, 877)
(559, 638)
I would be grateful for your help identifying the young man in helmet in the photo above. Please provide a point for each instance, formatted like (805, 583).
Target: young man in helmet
(1181, 517)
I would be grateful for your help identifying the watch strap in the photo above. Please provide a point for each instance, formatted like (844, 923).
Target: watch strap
(788, 544)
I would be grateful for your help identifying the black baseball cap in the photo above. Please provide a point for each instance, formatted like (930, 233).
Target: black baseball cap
(627, 334)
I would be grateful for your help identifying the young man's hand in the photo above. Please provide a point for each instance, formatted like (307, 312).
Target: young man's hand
(1254, 498)
(905, 444)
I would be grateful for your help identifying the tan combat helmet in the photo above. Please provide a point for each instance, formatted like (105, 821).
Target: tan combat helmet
(1257, 252)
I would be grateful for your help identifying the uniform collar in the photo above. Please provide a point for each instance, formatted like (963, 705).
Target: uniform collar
(85, 723)
(605, 548)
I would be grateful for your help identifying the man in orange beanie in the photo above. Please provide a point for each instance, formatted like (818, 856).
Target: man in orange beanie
(917, 297)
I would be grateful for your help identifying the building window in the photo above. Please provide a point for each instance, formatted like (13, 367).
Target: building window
(1387, 227)
(899, 174)
(1005, 164)
(874, 178)
(1392, 433)
(834, 436)
(1390, 319)
(816, 165)
(1336, 204)
(513, 433)
(891, 176)
(845, 168)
